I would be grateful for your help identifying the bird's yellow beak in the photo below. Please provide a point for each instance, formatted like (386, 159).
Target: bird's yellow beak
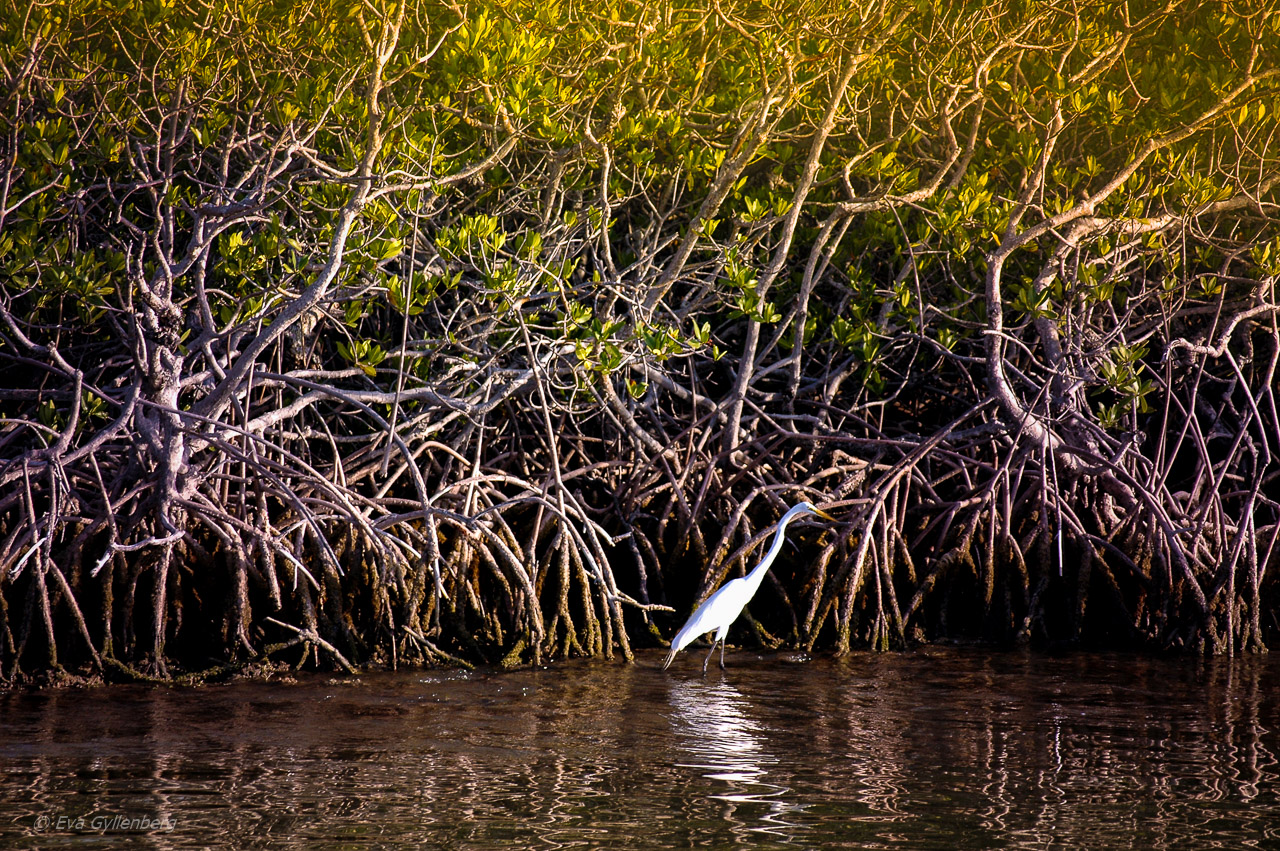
(824, 515)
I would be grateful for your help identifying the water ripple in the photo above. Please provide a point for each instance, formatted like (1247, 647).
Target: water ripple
(935, 749)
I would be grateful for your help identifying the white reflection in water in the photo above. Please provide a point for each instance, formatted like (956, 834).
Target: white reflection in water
(714, 726)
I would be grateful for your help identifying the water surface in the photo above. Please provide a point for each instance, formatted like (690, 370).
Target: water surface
(939, 748)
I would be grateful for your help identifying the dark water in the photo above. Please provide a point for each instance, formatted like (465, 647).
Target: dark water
(933, 749)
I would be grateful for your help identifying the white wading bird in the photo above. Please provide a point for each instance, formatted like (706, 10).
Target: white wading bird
(723, 607)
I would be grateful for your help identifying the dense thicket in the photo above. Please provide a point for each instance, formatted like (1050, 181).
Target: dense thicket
(496, 331)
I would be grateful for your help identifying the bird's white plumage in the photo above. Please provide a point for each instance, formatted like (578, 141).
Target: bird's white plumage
(722, 608)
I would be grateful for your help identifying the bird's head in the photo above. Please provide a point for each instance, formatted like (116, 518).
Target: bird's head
(810, 508)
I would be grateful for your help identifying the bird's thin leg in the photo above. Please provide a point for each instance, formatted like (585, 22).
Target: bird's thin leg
(708, 659)
(722, 655)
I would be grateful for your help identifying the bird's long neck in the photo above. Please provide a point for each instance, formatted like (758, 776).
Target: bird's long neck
(756, 576)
